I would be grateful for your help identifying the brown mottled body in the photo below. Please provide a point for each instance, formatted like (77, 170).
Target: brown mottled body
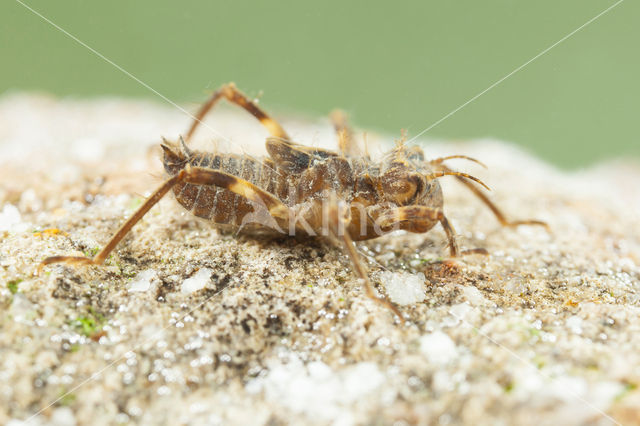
(214, 203)
(307, 191)
(354, 181)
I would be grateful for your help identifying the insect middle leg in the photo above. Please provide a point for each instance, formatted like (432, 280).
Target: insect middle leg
(347, 144)
(230, 92)
(193, 175)
(338, 225)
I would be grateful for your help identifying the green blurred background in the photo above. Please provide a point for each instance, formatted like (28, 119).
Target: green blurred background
(391, 65)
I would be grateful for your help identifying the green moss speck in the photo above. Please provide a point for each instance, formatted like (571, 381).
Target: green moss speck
(628, 388)
(92, 252)
(89, 324)
(66, 399)
(431, 260)
(135, 203)
(13, 285)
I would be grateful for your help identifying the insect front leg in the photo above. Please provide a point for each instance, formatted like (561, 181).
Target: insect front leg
(418, 219)
(231, 93)
(438, 161)
(338, 224)
(494, 209)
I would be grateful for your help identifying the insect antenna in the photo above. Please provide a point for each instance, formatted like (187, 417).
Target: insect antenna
(451, 157)
(440, 174)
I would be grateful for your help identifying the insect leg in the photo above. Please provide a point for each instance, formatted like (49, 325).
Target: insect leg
(195, 175)
(244, 188)
(496, 211)
(102, 255)
(338, 226)
(347, 145)
(438, 161)
(418, 219)
(231, 93)
(448, 172)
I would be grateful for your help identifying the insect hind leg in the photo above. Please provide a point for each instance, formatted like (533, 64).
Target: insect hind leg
(194, 175)
(232, 94)
(102, 255)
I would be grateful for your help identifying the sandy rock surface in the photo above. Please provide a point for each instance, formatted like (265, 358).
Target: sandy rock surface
(188, 325)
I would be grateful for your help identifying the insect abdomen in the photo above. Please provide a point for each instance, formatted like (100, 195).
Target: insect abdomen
(220, 205)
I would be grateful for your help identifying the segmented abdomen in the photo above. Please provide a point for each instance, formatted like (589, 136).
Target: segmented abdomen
(220, 205)
(225, 207)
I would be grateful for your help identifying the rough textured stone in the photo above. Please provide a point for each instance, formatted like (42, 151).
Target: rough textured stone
(544, 330)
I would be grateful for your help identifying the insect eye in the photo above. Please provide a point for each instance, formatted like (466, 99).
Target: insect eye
(402, 188)
(415, 154)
